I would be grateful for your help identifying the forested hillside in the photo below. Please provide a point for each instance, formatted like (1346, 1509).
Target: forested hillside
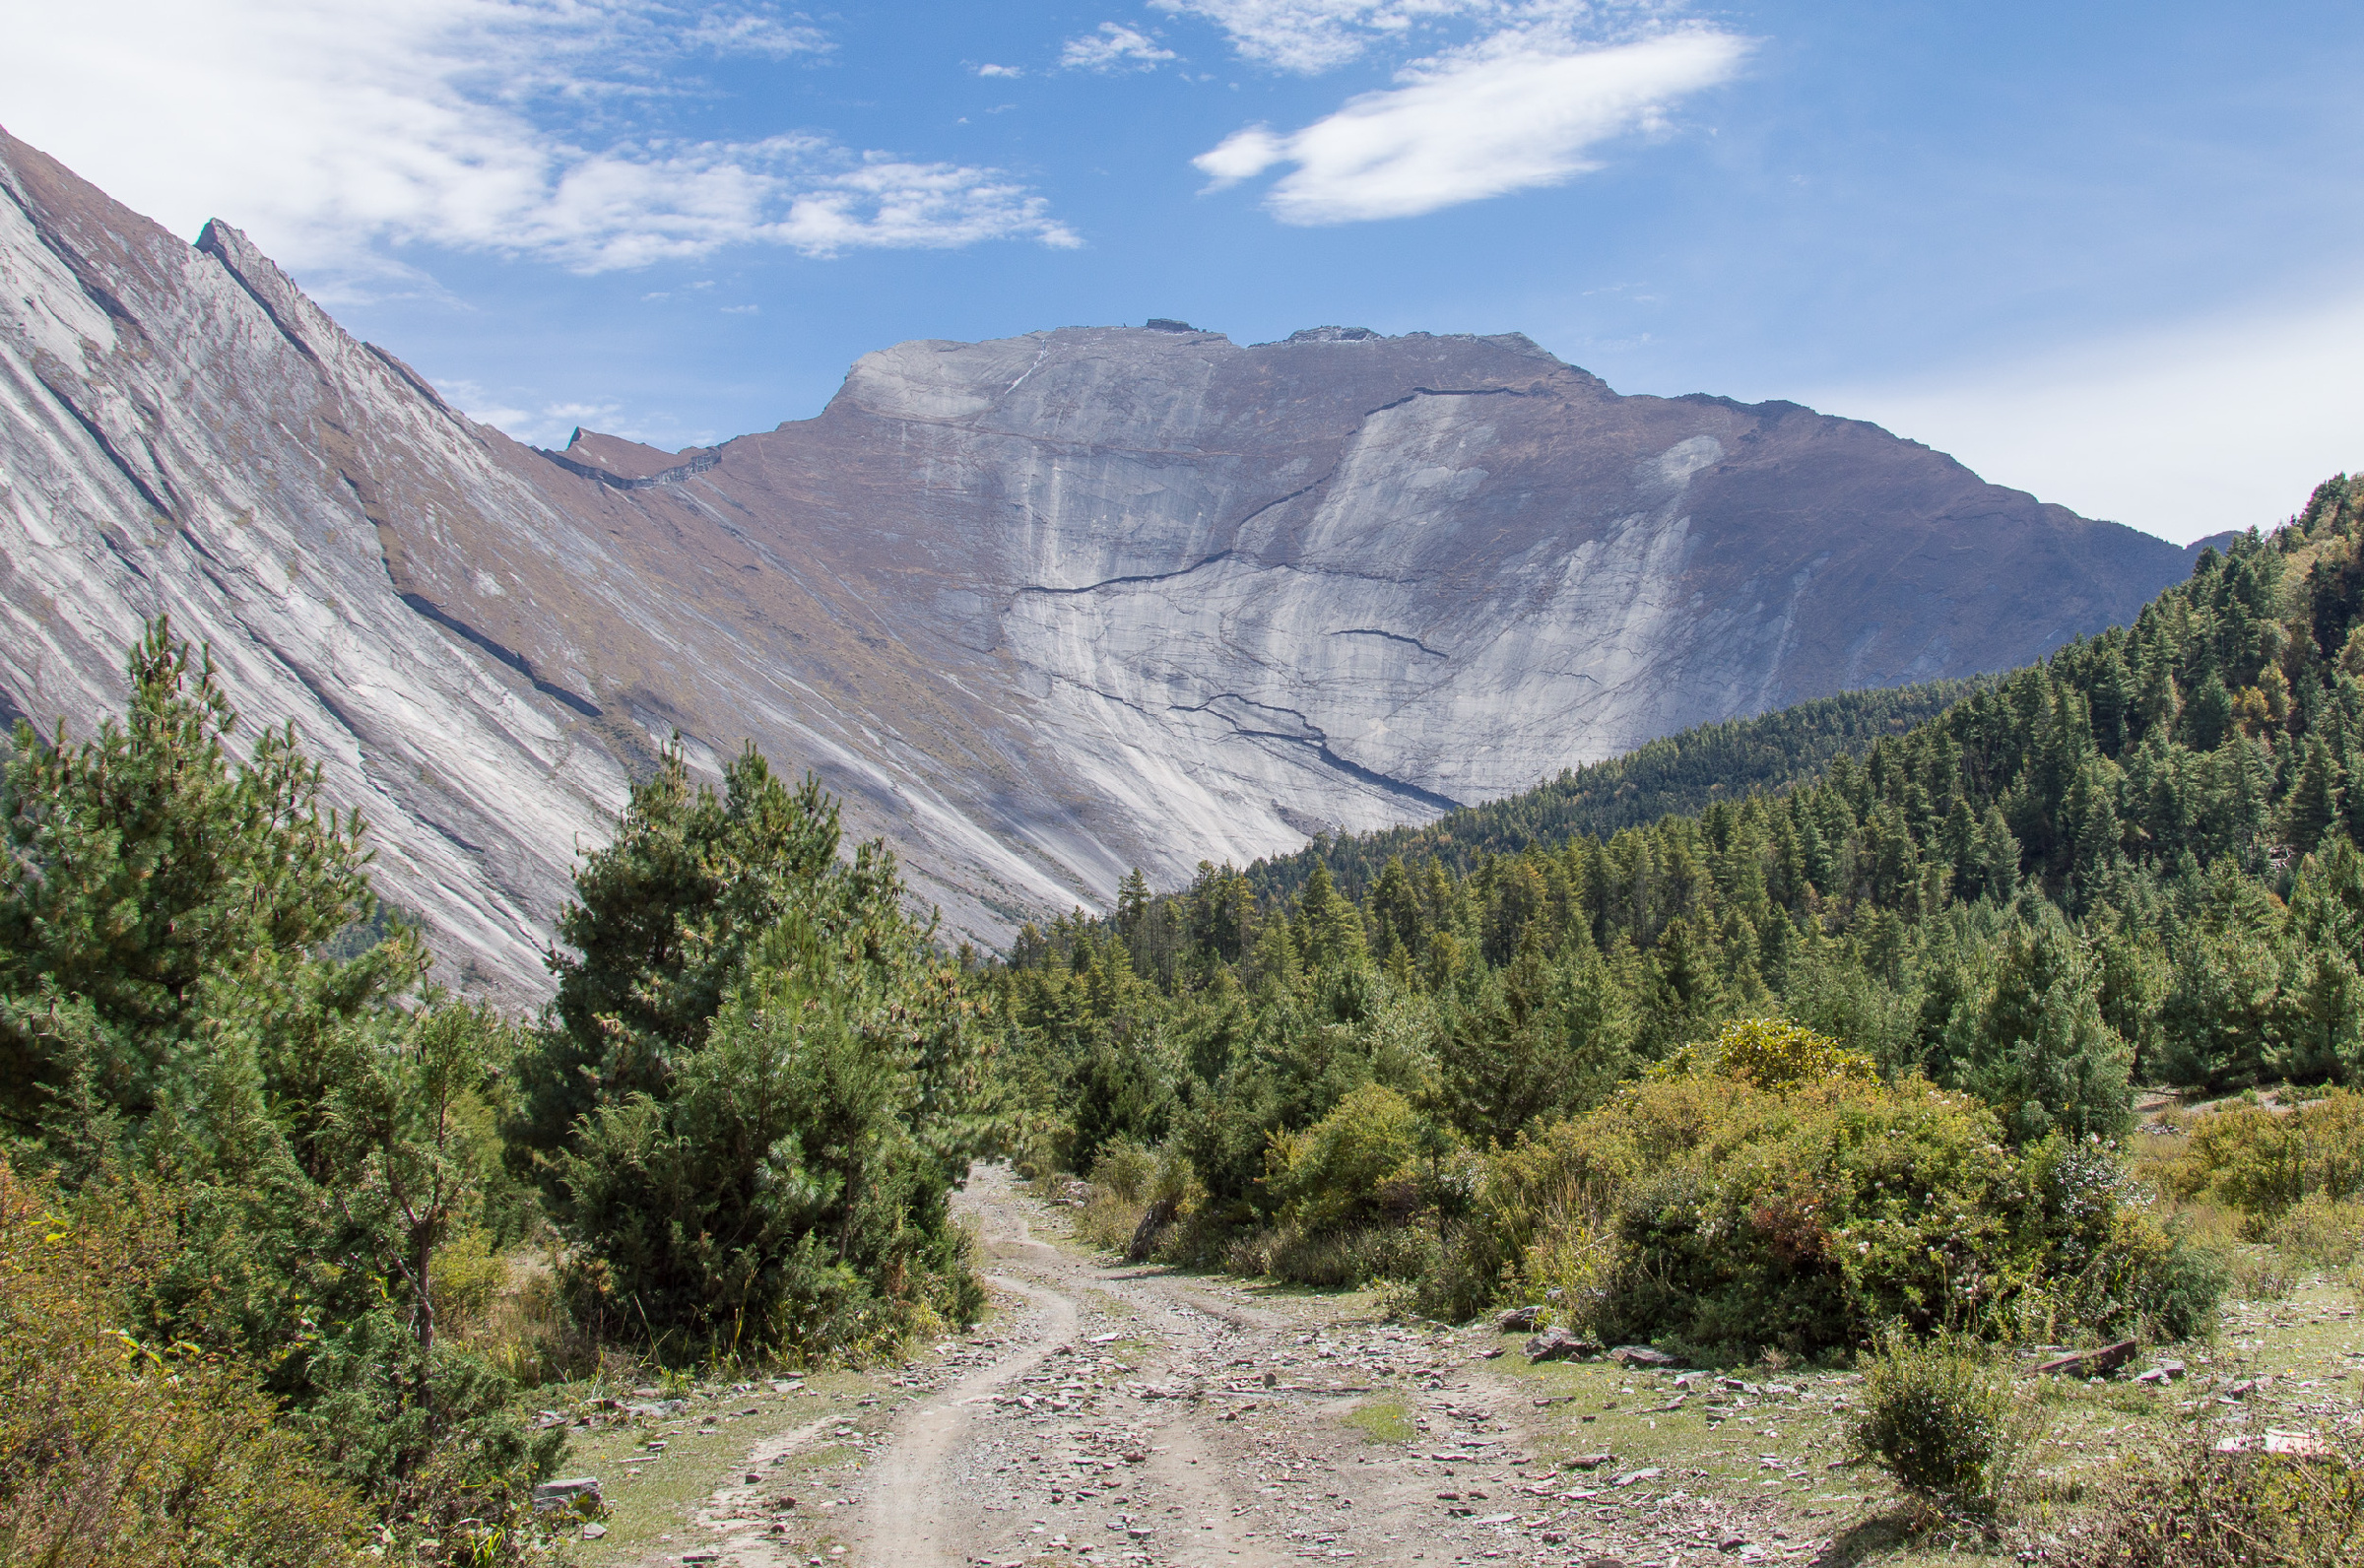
(1682, 773)
(2135, 862)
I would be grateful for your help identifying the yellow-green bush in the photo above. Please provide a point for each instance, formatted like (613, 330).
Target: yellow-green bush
(1708, 1210)
(2264, 1162)
(113, 1452)
(1351, 1165)
(1772, 1055)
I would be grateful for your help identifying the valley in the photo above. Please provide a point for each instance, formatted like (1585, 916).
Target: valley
(1130, 948)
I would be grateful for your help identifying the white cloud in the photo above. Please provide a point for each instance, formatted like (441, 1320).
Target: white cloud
(582, 413)
(914, 206)
(2179, 431)
(338, 133)
(999, 70)
(1519, 109)
(483, 407)
(1114, 48)
(746, 33)
(1315, 36)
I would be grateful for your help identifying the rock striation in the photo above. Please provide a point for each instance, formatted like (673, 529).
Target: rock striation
(1039, 608)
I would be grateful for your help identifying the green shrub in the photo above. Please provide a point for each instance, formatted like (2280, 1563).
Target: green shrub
(791, 1189)
(1939, 1416)
(761, 1085)
(118, 1452)
(1706, 1209)
(1803, 1220)
(1349, 1166)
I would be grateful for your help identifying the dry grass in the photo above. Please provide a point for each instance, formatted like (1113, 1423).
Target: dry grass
(506, 1307)
(2189, 1504)
(1106, 1222)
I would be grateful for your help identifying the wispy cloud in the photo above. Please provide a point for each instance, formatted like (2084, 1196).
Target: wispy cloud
(999, 70)
(550, 422)
(1315, 36)
(1114, 48)
(341, 135)
(1520, 108)
(748, 33)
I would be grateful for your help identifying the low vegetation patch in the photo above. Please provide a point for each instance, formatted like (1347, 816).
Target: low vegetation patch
(1940, 1414)
(114, 1449)
(2192, 1504)
(1383, 1420)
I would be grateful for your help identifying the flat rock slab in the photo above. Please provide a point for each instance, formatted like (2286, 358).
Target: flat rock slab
(1643, 1355)
(2089, 1363)
(1560, 1345)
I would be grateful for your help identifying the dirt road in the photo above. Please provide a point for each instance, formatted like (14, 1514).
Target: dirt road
(1130, 1415)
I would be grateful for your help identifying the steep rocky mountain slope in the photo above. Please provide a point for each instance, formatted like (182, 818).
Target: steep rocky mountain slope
(1038, 608)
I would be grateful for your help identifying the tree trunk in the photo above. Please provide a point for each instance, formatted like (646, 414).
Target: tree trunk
(1156, 1218)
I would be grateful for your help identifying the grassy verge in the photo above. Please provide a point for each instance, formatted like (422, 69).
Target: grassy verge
(1789, 1440)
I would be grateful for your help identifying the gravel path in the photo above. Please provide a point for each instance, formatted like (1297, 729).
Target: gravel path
(1132, 1417)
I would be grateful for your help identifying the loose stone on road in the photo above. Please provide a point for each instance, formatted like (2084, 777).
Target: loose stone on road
(1122, 1414)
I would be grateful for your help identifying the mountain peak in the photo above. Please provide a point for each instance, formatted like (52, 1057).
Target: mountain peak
(1038, 608)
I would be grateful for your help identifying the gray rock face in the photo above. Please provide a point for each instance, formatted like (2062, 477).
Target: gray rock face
(181, 431)
(1038, 609)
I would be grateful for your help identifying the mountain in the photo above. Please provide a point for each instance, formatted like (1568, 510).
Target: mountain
(1037, 608)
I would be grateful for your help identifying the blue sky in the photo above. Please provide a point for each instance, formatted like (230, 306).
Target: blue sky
(2106, 252)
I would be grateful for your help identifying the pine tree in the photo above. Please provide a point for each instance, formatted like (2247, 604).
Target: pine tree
(1330, 928)
(2208, 717)
(149, 875)
(661, 924)
(2314, 800)
(1998, 856)
(2044, 1057)
(1131, 905)
(1396, 917)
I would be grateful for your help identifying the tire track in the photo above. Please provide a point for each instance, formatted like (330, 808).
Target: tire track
(917, 1512)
